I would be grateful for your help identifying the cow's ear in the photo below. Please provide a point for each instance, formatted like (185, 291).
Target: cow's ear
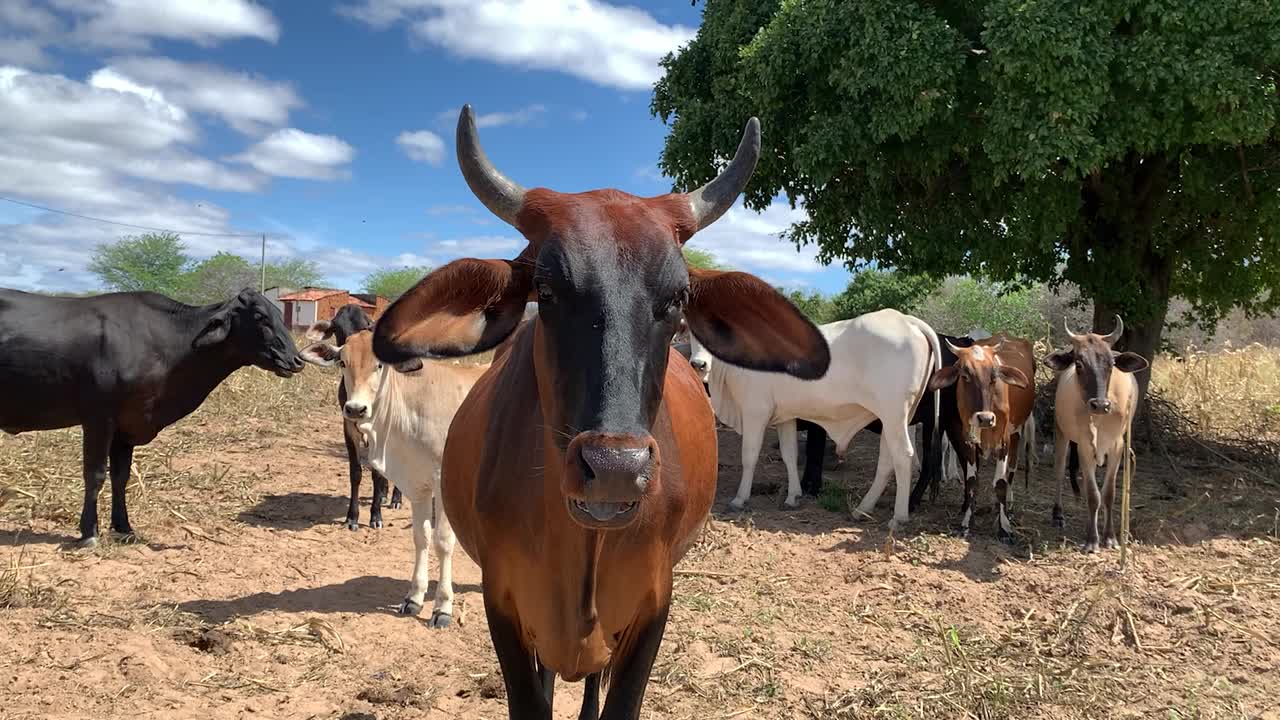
(215, 330)
(319, 353)
(944, 377)
(320, 331)
(1013, 376)
(1060, 360)
(743, 321)
(464, 307)
(1129, 362)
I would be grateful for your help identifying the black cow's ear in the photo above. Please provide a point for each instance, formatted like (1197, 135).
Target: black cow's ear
(214, 331)
(743, 321)
(1129, 362)
(1060, 360)
(466, 306)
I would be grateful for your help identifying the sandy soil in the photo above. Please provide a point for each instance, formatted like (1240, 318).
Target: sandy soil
(249, 599)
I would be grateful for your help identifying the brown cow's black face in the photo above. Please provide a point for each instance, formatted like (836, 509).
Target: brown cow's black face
(607, 307)
(1093, 359)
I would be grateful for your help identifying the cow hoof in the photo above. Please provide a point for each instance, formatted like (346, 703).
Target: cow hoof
(440, 620)
(353, 525)
(87, 543)
(376, 523)
(962, 532)
(1110, 543)
(1004, 536)
(1059, 521)
(1090, 548)
(409, 607)
(791, 502)
(127, 537)
(737, 504)
(394, 504)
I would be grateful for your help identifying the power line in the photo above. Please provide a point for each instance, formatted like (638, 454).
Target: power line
(128, 225)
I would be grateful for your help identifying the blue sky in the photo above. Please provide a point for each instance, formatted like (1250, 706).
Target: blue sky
(329, 126)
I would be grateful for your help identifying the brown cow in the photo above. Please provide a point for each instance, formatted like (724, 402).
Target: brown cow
(582, 466)
(1096, 398)
(995, 392)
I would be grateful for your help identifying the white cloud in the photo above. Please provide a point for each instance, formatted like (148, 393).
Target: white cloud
(28, 29)
(440, 210)
(130, 23)
(476, 246)
(606, 44)
(244, 102)
(520, 117)
(749, 241)
(422, 146)
(293, 153)
(62, 140)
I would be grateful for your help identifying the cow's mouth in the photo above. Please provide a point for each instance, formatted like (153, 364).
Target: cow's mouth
(602, 515)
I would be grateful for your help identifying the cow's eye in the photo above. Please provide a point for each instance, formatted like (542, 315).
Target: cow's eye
(342, 363)
(545, 293)
(673, 307)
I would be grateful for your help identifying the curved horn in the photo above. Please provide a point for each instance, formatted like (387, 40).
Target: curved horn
(955, 350)
(1065, 326)
(715, 198)
(499, 193)
(1115, 334)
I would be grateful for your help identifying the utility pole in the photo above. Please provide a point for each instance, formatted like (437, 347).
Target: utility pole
(263, 289)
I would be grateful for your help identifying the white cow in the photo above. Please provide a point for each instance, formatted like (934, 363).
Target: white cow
(880, 365)
(405, 419)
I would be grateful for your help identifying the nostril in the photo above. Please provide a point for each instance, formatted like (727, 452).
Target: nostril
(602, 461)
(699, 364)
(355, 409)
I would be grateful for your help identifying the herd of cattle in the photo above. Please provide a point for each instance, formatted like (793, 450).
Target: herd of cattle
(577, 466)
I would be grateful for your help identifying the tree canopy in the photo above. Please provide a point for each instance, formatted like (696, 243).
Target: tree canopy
(391, 283)
(1131, 148)
(159, 262)
(154, 261)
(701, 259)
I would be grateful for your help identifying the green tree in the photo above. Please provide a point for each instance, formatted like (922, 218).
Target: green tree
(294, 272)
(218, 278)
(702, 259)
(153, 261)
(816, 306)
(1132, 148)
(963, 303)
(872, 290)
(391, 283)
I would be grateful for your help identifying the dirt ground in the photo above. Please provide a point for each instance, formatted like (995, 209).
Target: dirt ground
(249, 598)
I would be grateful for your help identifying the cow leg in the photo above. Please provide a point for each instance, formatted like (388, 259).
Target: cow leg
(1108, 503)
(899, 445)
(590, 698)
(353, 471)
(631, 672)
(442, 541)
(883, 467)
(396, 498)
(420, 505)
(788, 447)
(815, 447)
(1073, 466)
(547, 678)
(1059, 474)
(1095, 501)
(121, 462)
(970, 472)
(1000, 482)
(96, 448)
(526, 695)
(375, 505)
(752, 438)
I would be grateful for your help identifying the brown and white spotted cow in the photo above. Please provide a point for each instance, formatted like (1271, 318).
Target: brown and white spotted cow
(995, 392)
(1095, 402)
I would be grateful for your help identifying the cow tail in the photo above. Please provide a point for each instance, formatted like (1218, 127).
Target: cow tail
(935, 448)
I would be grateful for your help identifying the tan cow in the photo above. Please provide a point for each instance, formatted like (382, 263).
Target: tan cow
(405, 418)
(1094, 406)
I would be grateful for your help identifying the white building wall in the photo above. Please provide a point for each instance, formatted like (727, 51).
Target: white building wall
(304, 312)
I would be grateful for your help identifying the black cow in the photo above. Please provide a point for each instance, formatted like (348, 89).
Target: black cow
(124, 366)
(931, 466)
(349, 320)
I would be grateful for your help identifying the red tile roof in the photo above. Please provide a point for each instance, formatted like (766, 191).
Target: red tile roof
(311, 294)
